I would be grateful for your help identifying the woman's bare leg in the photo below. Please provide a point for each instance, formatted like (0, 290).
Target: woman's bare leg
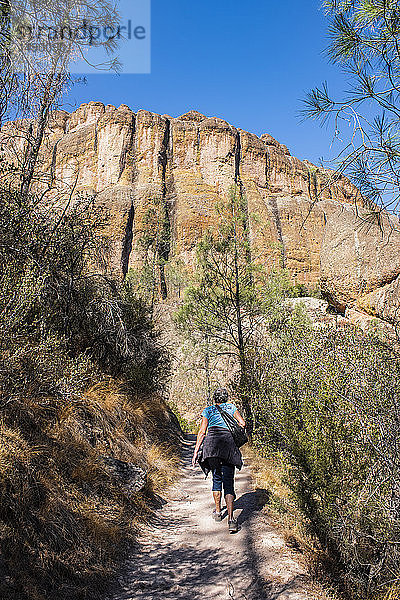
(217, 500)
(229, 499)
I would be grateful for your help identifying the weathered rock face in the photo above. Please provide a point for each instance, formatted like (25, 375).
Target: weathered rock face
(161, 173)
(360, 261)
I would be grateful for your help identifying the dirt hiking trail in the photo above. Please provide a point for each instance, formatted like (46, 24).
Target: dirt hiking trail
(186, 555)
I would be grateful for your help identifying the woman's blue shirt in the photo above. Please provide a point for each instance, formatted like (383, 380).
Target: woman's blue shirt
(214, 416)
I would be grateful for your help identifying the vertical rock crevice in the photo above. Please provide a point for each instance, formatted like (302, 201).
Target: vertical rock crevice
(127, 241)
(127, 149)
(96, 137)
(238, 181)
(275, 214)
(238, 159)
(267, 168)
(312, 185)
(244, 204)
(164, 241)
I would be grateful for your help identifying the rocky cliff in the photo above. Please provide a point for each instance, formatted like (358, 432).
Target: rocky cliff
(157, 172)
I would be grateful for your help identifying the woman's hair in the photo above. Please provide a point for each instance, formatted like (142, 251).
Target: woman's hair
(220, 395)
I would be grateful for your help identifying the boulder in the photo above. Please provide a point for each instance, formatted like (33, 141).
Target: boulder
(360, 261)
(131, 478)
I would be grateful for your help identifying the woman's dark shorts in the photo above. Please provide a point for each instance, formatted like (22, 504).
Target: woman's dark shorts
(223, 476)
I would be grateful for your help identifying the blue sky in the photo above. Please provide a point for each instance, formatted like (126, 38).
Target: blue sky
(248, 62)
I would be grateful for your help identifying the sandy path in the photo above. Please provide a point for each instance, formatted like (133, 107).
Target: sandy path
(185, 555)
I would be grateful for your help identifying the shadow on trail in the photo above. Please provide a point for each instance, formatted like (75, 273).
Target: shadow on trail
(188, 573)
(250, 503)
(163, 570)
(185, 573)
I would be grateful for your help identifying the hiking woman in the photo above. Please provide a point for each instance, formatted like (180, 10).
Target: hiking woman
(219, 453)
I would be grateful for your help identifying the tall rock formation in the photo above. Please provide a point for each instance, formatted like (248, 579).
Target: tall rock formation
(157, 173)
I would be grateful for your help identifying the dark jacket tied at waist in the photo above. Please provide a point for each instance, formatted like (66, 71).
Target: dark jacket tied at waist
(219, 446)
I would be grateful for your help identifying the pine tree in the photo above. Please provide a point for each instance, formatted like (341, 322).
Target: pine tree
(364, 42)
(225, 304)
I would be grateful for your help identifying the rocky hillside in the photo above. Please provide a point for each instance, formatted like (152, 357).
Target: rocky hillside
(141, 165)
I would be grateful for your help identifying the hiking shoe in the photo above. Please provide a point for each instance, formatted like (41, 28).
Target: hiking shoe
(233, 526)
(217, 516)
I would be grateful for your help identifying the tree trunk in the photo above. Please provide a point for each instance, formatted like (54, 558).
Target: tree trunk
(242, 355)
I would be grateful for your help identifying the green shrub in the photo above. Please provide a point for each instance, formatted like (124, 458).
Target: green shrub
(50, 285)
(329, 401)
(300, 290)
(81, 371)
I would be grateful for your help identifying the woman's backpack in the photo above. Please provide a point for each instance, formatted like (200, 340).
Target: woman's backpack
(238, 432)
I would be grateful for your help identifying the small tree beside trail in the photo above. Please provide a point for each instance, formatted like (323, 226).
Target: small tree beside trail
(230, 299)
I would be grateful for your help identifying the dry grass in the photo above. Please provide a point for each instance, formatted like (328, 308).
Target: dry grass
(63, 515)
(269, 474)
